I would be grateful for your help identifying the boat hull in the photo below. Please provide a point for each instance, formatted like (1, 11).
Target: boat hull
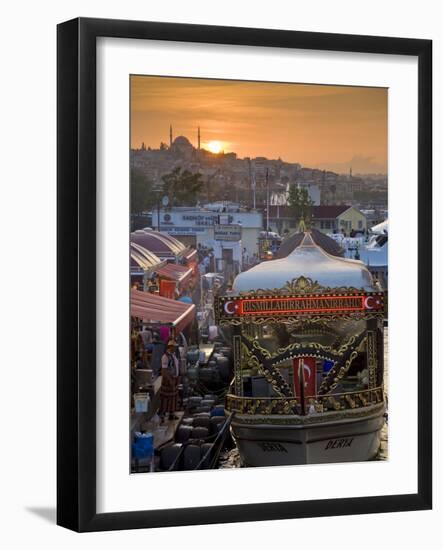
(278, 440)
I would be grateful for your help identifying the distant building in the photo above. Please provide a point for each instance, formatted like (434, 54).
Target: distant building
(226, 228)
(325, 218)
(338, 219)
(281, 219)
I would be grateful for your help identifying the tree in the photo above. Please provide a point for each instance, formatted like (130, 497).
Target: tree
(142, 196)
(300, 204)
(182, 187)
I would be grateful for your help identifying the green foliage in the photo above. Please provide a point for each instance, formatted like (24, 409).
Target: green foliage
(300, 204)
(182, 187)
(142, 196)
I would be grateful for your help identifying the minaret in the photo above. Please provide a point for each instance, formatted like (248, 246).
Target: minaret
(350, 173)
(198, 137)
(170, 135)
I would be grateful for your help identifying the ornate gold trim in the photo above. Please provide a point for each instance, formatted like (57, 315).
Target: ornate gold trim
(302, 285)
(371, 352)
(237, 348)
(301, 318)
(344, 405)
(260, 358)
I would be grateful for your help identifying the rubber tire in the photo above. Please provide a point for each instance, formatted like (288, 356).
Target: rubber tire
(200, 433)
(188, 421)
(202, 421)
(169, 454)
(183, 433)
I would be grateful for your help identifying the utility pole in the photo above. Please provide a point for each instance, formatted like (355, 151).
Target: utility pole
(158, 213)
(252, 183)
(267, 202)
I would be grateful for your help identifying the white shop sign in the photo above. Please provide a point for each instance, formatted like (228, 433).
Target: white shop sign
(227, 232)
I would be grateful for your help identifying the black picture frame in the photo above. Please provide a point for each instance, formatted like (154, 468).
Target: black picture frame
(76, 293)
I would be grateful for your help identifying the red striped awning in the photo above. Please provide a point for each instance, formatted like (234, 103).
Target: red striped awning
(159, 310)
(190, 254)
(175, 272)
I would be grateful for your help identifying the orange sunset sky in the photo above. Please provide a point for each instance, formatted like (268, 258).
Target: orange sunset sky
(327, 127)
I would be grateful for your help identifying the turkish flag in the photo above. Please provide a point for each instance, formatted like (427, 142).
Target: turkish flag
(305, 372)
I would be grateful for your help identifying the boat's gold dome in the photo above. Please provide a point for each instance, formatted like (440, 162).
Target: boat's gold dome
(307, 260)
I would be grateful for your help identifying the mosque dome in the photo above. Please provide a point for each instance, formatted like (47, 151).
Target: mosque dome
(182, 144)
(181, 140)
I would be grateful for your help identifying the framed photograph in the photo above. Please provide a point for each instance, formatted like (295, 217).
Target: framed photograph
(235, 206)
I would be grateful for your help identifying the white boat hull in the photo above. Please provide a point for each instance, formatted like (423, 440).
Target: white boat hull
(278, 440)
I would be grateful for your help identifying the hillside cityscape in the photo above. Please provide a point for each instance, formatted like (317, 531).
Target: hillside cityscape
(191, 175)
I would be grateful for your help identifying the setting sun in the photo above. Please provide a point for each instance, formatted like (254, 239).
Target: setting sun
(214, 146)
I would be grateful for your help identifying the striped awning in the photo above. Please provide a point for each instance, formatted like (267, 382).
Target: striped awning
(190, 254)
(159, 310)
(143, 259)
(175, 272)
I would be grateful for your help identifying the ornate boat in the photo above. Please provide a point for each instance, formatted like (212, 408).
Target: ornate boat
(307, 338)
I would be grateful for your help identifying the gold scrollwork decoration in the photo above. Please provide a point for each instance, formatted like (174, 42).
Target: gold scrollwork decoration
(303, 285)
(295, 321)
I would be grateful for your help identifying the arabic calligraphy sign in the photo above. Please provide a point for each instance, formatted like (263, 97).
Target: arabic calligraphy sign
(303, 305)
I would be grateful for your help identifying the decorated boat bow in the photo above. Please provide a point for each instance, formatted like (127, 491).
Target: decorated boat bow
(307, 346)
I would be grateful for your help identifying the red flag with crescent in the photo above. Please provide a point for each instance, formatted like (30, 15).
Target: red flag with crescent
(305, 373)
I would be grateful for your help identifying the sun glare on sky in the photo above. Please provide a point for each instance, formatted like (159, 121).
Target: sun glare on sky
(319, 126)
(214, 146)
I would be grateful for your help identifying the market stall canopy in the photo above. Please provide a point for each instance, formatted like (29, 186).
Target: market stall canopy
(291, 242)
(307, 260)
(143, 259)
(190, 255)
(175, 272)
(158, 310)
(163, 245)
